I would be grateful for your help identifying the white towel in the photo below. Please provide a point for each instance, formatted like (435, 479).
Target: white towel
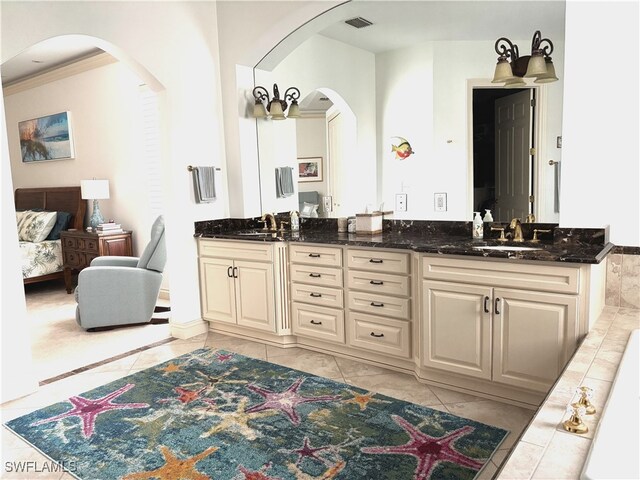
(284, 182)
(204, 184)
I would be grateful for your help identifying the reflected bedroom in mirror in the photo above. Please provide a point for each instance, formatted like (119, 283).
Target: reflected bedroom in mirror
(368, 76)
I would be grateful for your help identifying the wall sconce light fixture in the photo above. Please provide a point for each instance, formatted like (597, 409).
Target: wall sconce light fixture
(512, 67)
(276, 106)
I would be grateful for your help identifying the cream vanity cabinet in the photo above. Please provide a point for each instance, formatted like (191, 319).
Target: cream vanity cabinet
(379, 301)
(317, 307)
(237, 283)
(514, 324)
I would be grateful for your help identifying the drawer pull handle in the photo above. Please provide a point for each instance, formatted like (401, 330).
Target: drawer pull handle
(314, 255)
(314, 275)
(316, 295)
(377, 335)
(376, 282)
(235, 272)
(313, 322)
(496, 306)
(486, 308)
(377, 304)
(375, 260)
(229, 272)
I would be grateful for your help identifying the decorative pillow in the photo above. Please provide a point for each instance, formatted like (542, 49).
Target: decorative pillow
(62, 222)
(35, 226)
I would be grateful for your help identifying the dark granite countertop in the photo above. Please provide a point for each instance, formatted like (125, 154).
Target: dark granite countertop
(567, 245)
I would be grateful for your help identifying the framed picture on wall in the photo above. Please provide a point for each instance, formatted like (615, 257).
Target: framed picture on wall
(310, 169)
(46, 138)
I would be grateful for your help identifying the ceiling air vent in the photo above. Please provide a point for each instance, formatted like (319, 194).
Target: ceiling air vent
(358, 22)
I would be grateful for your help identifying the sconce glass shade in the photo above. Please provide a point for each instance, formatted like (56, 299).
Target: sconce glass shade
(503, 71)
(294, 110)
(550, 75)
(275, 109)
(94, 189)
(515, 82)
(259, 111)
(537, 66)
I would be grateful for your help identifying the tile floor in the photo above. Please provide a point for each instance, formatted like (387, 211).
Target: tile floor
(390, 383)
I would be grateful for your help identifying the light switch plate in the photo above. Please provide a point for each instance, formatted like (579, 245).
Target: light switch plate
(440, 202)
(401, 202)
(327, 203)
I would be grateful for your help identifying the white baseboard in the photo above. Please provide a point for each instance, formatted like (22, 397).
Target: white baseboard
(164, 294)
(190, 329)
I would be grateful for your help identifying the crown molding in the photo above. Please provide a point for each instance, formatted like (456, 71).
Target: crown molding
(59, 73)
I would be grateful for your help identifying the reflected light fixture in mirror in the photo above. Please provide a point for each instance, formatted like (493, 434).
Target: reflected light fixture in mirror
(276, 107)
(511, 67)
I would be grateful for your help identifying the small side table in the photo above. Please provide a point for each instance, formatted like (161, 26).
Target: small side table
(79, 247)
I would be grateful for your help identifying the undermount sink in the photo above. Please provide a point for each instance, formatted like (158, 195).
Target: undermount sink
(506, 248)
(255, 233)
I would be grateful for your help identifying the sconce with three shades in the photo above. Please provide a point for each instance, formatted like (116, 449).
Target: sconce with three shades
(276, 107)
(512, 67)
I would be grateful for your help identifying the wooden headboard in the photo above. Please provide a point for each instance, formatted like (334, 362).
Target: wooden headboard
(54, 199)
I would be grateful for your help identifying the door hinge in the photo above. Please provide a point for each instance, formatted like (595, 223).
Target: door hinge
(532, 198)
(533, 102)
(532, 151)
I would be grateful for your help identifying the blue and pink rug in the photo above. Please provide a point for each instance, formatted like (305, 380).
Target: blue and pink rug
(212, 414)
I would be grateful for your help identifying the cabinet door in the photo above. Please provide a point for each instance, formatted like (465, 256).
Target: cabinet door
(457, 328)
(255, 295)
(120, 246)
(534, 337)
(217, 290)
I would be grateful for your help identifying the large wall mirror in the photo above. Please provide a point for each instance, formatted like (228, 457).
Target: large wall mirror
(418, 72)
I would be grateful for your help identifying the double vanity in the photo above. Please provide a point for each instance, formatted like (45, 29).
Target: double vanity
(490, 318)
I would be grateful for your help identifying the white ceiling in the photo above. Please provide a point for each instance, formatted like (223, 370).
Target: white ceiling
(47, 55)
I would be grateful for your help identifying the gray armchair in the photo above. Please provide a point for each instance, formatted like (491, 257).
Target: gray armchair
(116, 291)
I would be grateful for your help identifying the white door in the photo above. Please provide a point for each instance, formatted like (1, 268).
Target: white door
(457, 333)
(534, 335)
(217, 290)
(335, 129)
(255, 295)
(513, 161)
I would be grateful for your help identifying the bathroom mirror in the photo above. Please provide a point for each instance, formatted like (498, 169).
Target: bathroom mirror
(420, 73)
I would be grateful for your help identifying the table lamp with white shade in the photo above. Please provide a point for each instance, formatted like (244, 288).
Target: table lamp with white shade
(95, 190)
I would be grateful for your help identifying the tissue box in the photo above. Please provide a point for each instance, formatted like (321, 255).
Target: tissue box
(369, 222)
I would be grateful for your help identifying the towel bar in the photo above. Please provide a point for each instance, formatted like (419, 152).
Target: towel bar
(190, 168)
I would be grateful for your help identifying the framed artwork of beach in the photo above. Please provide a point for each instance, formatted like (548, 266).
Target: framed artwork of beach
(46, 138)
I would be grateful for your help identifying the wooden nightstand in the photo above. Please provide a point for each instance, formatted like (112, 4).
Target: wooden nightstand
(80, 247)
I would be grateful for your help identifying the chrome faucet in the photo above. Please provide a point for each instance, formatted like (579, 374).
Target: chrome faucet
(517, 230)
(271, 220)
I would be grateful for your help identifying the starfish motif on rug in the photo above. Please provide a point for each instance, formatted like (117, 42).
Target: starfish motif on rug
(223, 357)
(174, 468)
(257, 474)
(363, 399)
(286, 401)
(171, 368)
(306, 451)
(429, 451)
(185, 395)
(88, 410)
(329, 474)
(236, 421)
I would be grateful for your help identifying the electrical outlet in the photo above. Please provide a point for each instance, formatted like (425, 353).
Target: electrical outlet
(440, 202)
(327, 203)
(401, 202)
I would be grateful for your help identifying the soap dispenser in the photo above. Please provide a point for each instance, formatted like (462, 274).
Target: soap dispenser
(477, 226)
(488, 218)
(294, 221)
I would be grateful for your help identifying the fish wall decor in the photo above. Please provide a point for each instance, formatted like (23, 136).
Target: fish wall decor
(403, 148)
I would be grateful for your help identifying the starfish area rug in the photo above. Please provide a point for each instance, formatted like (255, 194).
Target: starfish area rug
(212, 414)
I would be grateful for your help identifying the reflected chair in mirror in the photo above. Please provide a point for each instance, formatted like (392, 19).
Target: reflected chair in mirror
(117, 291)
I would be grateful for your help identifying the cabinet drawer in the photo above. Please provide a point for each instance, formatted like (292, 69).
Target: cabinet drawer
(314, 255)
(379, 304)
(74, 259)
(381, 335)
(375, 282)
(70, 242)
(329, 297)
(90, 245)
(235, 250)
(376, 261)
(503, 274)
(316, 275)
(318, 322)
